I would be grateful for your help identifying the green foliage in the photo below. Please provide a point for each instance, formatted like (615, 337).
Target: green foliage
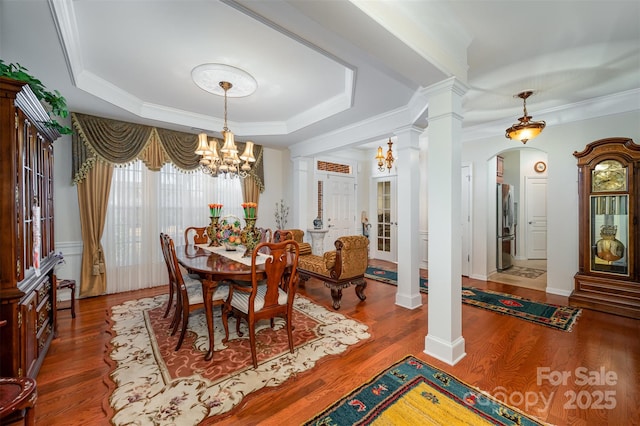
(56, 102)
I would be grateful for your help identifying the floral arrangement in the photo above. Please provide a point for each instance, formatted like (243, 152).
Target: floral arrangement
(215, 209)
(281, 214)
(229, 231)
(249, 210)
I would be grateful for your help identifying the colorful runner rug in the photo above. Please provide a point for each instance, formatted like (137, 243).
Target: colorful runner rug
(412, 392)
(554, 316)
(152, 384)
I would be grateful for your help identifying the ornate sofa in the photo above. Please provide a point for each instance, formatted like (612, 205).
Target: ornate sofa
(339, 268)
(293, 234)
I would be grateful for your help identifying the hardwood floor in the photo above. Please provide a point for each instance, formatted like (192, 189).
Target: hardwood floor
(504, 355)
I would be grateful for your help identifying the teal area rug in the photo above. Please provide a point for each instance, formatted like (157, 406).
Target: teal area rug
(554, 316)
(412, 392)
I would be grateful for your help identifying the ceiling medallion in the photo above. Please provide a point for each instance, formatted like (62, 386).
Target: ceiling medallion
(208, 78)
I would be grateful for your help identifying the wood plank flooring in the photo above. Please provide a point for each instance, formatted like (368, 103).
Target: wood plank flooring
(504, 356)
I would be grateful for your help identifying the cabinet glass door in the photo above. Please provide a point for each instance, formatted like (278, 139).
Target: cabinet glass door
(610, 234)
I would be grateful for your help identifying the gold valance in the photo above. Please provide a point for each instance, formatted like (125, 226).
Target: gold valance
(120, 143)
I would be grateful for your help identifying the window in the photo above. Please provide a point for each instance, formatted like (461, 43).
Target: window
(142, 204)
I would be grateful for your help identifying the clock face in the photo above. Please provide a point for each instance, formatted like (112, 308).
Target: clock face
(609, 175)
(540, 166)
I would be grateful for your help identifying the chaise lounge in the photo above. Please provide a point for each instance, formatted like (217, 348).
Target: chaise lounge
(339, 268)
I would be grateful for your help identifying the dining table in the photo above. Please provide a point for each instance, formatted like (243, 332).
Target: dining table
(215, 265)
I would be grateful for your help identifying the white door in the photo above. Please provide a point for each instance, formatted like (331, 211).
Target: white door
(385, 230)
(465, 218)
(536, 221)
(339, 206)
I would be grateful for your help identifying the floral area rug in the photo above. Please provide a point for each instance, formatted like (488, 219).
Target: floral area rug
(412, 392)
(555, 316)
(152, 384)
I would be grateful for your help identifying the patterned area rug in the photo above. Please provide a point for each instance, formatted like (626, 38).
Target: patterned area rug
(412, 392)
(521, 271)
(154, 385)
(554, 316)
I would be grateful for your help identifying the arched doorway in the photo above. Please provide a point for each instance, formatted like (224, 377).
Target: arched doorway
(522, 172)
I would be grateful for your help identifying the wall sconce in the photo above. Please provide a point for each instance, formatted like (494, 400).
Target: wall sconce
(385, 161)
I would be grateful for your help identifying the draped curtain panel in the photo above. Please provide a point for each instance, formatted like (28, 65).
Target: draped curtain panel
(118, 142)
(99, 144)
(251, 192)
(93, 198)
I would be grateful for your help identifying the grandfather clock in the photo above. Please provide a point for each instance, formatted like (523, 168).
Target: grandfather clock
(608, 277)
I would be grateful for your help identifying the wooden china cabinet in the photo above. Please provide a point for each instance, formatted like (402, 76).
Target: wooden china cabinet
(608, 277)
(27, 260)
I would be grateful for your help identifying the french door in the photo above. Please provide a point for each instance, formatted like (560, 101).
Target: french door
(385, 244)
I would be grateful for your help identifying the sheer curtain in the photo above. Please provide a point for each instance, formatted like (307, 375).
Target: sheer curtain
(142, 204)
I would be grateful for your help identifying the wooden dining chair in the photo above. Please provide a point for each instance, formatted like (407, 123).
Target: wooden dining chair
(189, 293)
(266, 236)
(196, 235)
(268, 298)
(17, 394)
(172, 290)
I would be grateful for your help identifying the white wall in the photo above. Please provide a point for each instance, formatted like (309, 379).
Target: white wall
(559, 142)
(276, 173)
(67, 231)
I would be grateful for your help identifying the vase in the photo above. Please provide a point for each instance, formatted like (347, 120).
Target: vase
(250, 236)
(608, 247)
(212, 232)
(317, 223)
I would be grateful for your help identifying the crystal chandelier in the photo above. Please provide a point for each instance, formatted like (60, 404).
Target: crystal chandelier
(227, 160)
(525, 129)
(385, 161)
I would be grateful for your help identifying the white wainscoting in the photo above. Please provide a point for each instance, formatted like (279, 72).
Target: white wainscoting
(424, 249)
(70, 269)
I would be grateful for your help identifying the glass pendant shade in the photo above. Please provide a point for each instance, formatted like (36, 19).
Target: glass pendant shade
(247, 155)
(213, 150)
(229, 143)
(526, 131)
(203, 145)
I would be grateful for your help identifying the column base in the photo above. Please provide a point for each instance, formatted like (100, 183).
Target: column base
(445, 351)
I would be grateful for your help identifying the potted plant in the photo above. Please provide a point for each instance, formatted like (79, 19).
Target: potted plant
(56, 102)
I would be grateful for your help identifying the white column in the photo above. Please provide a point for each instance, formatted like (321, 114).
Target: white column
(444, 340)
(408, 169)
(300, 193)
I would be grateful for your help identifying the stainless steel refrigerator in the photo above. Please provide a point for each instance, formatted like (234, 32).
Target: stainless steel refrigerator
(506, 226)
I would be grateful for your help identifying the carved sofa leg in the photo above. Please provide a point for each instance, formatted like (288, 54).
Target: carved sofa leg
(360, 286)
